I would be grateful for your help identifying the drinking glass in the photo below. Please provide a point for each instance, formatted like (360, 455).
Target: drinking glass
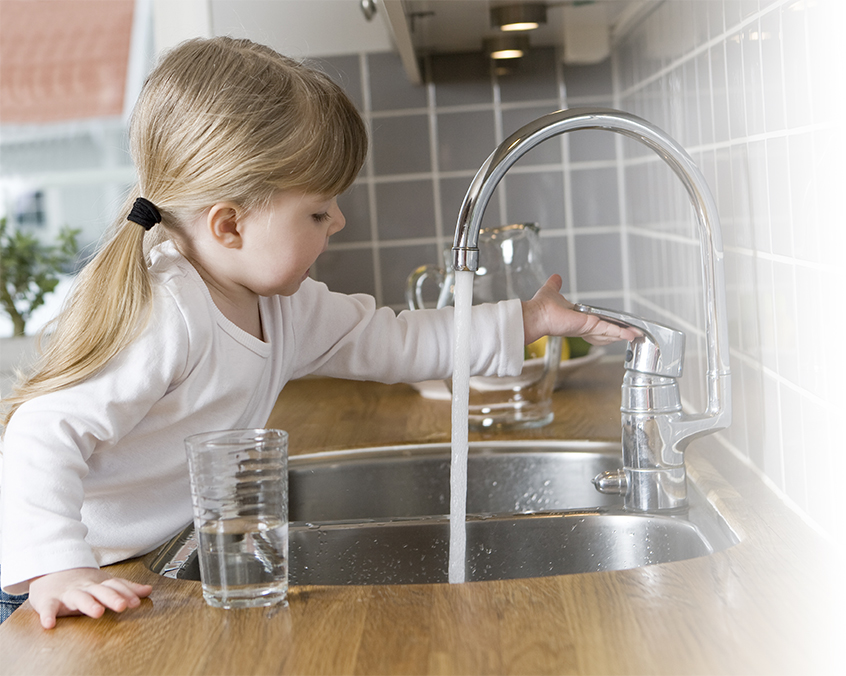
(239, 488)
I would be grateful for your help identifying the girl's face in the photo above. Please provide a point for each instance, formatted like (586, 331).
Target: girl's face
(281, 243)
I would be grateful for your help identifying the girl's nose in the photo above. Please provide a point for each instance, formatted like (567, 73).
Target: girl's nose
(338, 222)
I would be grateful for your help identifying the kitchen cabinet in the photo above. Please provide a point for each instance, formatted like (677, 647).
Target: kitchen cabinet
(584, 31)
(297, 28)
(413, 28)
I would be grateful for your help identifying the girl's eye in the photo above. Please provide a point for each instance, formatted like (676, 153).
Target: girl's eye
(320, 218)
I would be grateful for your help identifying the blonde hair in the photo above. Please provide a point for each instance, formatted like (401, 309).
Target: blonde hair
(217, 119)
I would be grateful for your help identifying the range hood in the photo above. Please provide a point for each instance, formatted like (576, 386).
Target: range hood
(584, 29)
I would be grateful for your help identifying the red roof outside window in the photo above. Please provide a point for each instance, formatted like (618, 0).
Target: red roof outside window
(63, 59)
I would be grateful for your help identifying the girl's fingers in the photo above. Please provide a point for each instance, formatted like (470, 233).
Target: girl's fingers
(599, 332)
(82, 591)
(82, 602)
(93, 600)
(131, 591)
(48, 614)
(140, 590)
(113, 595)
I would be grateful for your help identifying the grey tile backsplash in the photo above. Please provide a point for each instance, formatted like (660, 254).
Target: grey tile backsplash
(427, 142)
(754, 89)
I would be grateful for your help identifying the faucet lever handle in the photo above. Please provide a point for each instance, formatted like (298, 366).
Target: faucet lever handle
(659, 352)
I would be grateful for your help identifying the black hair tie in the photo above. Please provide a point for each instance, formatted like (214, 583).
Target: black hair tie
(144, 213)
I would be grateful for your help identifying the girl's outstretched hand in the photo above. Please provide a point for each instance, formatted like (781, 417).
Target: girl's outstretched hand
(550, 314)
(82, 591)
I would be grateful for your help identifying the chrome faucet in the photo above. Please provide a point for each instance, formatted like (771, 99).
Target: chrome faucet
(655, 429)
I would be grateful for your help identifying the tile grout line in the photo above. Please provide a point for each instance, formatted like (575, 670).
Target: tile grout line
(434, 160)
(622, 192)
(567, 186)
(364, 67)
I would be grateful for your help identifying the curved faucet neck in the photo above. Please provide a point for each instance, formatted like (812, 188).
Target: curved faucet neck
(465, 245)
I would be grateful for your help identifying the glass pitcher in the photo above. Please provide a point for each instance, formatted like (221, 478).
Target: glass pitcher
(509, 267)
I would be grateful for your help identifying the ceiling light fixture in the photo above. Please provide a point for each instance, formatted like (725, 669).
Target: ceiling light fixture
(506, 46)
(520, 17)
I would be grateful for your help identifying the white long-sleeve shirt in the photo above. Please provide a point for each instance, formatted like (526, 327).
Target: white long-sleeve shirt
(96, 473)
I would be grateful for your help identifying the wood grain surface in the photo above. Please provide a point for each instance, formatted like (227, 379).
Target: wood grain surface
(765, 606)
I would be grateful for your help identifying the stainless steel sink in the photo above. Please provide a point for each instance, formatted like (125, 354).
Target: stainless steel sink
(380, 516)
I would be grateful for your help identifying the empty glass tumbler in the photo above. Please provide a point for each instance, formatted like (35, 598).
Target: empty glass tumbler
(239, 486)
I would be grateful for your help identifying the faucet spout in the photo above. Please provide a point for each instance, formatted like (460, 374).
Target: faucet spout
(717, 414)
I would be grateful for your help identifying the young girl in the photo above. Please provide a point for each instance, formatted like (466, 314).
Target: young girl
(198, 310)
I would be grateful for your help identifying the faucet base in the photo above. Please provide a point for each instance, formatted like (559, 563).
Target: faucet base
(651, 490)
(662, 490)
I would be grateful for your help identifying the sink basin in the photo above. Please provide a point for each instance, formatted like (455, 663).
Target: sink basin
(380, 516)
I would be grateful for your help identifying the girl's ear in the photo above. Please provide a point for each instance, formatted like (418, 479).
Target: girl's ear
(224, 224)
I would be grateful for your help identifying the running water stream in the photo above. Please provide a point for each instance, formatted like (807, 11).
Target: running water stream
(460, 429)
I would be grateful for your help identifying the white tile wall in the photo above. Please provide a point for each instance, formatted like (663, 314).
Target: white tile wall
(755, 90)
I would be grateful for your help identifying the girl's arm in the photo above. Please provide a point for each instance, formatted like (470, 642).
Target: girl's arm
(337, 335)
(348, 336)
(550, 314)
(82, 591)
(69, 445)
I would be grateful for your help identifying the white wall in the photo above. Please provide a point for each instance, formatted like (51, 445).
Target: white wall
(755, 91)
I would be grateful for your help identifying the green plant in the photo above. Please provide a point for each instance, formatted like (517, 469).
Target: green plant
(29, 270)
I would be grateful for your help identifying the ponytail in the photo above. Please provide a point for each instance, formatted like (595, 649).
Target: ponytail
(108, 306)
(217, 119)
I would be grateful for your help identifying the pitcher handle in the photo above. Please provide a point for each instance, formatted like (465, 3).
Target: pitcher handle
(414, 286)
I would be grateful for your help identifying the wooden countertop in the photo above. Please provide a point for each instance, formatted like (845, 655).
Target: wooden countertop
(764, 606)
